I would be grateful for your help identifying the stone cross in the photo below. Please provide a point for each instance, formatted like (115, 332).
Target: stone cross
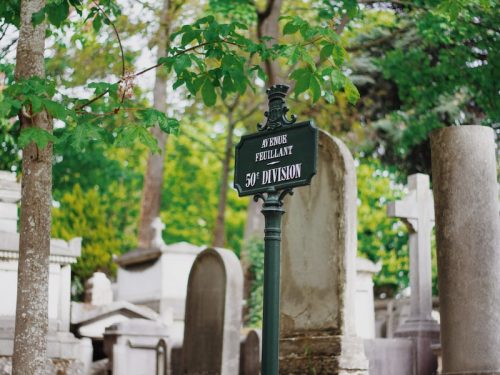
(417, 211)
(158, 227)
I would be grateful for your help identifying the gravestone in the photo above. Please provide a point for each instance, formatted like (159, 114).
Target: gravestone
(318, 271)
(464, 172)
(157, 278)
(67, 354)
(417, 212)
(250, 352)
(138, 347)
(213, 314)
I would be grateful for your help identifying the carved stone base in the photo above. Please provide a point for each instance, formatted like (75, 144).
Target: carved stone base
(336, 355)
(424, 333)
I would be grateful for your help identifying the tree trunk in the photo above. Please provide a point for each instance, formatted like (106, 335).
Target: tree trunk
(153, 180)
(219, 231)
(30, 339)
(268, 25)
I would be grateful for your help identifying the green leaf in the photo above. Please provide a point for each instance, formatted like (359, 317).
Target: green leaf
(41, 137)
(326, 52)
(101, 87)
(295, 55)
(171, 126)
(147, 139)
(351, 92)
(208, 93)
(188, 37)
(315, 88)
(83, 133)
(56, 109)
(181, 63)
(338, 54)
(260, 72)
(303, 79)
(38, 17)
(338, 80)
(308, 59)
(57, 12)
(36, 103)
(127, 135)
(97, 23)
(290, 28)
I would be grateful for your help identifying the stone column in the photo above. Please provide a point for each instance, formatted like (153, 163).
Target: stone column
(464, 171)
(364, 301)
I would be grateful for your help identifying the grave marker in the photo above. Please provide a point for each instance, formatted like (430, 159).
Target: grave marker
(417, 212)
(213, 314)
(318, 283)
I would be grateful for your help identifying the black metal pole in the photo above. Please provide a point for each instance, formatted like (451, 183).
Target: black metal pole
(273, 212)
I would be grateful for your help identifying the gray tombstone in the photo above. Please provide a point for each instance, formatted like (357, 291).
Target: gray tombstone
(318, 331)
(213, 314)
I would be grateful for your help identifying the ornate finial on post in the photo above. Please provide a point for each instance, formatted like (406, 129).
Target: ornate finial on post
(276, 115)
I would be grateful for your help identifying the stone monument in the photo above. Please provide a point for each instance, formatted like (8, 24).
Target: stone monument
(417, 212)
(213, 314)
(138, 347)
(67, 354)
(318, 279)
(464, 172)
(157, 278)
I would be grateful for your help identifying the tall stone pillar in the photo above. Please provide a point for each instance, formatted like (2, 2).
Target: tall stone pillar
(464, 171)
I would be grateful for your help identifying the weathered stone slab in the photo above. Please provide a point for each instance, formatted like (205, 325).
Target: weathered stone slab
(318, 270)
(391, 356)
(213, 314)
(464, 172)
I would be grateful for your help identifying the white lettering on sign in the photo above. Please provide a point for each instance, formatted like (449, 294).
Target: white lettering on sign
(289, 172)
(274, 153)
(274, 141)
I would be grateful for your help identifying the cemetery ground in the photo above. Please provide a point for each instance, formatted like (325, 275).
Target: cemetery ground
(238, 187)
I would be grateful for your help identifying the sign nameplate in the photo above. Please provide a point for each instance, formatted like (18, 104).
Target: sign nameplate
(280, 159)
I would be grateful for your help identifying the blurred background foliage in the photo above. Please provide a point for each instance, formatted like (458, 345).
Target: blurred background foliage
(418, 65)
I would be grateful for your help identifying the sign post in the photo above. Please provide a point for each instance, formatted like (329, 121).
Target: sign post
(268, 164)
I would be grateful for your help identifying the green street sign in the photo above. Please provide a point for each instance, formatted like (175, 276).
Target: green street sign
(269, 163)
(278, 157)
